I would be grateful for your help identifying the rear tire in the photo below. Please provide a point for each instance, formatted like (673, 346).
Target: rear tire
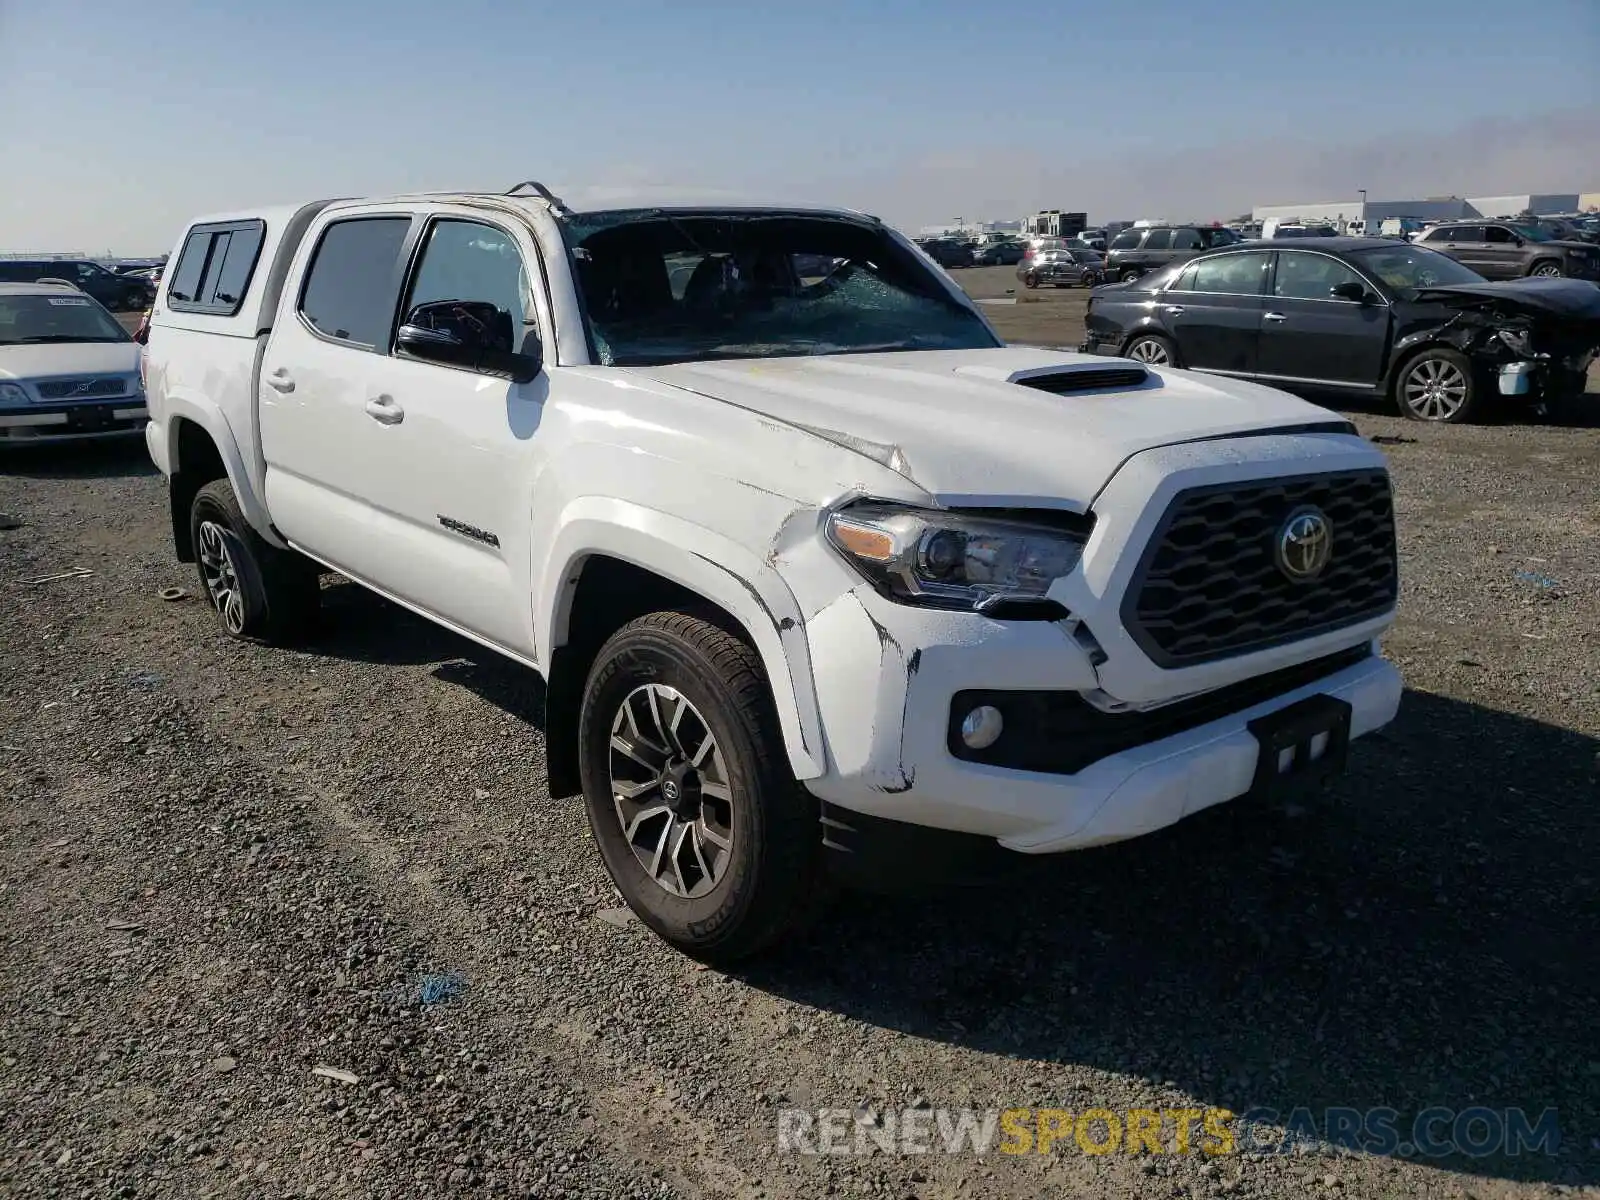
(1437, 386)
(1153, 350)
(258, 591)
(702, 828)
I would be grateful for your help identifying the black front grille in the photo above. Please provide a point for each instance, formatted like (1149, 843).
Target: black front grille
(1209, 585)
(82, 389)
(1062, 733)
(1063, 382)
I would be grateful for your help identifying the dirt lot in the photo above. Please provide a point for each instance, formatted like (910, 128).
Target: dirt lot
(224, 866)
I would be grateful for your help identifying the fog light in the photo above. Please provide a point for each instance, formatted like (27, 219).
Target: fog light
(981, 727)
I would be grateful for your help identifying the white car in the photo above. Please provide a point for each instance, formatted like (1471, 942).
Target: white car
(67, 369)
(819, 574)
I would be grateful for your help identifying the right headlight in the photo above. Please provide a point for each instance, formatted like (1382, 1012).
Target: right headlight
(12, 393)
(953, 560)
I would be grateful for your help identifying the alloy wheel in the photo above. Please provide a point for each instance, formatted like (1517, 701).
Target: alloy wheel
(1547, 271)
(1148, 350)
(670, 790)
(220, 575)
(1435, 389)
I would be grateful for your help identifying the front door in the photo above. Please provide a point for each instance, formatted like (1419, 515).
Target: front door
(1214, 311)
(460, 448)
(1309, 336)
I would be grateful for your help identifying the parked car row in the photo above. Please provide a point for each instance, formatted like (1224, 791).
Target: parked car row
(119, 293)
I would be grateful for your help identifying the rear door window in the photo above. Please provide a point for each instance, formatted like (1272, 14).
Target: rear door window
(1226, 275)
(1159, 239)
(1186, 239)
(350, 291)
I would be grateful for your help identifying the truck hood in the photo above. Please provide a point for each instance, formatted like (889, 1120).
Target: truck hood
(977, 426)
(68, 358)
(1568, 299)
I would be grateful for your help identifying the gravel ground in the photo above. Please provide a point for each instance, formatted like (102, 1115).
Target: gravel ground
(223, 867)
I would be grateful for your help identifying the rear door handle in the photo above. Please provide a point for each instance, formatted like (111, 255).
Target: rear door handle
(1274, 317)
(385, 411)
(281, 381)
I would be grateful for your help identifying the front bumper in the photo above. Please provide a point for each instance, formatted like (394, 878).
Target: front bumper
(890, 678)
(893, 760)
(118, 416)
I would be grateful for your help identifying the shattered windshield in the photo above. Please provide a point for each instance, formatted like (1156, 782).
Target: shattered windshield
(662, 287)
(1406, 267)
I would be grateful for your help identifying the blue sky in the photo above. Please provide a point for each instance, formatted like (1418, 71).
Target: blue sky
(120, 120)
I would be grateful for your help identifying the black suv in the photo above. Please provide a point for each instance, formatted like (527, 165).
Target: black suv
(1135, 251)
(1512, 249)
(116, 292)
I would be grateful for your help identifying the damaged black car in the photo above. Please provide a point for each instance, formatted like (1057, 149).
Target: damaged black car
(1360, 317)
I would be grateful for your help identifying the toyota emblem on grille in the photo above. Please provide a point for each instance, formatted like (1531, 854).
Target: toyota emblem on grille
(1305, 544)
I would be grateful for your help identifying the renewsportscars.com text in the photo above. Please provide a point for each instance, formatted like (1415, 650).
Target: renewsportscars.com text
(1476, 1132)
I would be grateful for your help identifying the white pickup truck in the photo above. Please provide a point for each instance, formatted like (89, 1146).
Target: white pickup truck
(820, 575)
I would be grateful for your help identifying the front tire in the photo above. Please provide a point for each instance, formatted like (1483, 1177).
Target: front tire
(702, 828)
(1130, 275)
(258, 591)
(1438, 386)
(1030, 280)
(1546, 270)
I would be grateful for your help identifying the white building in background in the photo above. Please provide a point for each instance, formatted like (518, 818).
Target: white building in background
(1432, 208)
(1536, 203)
(970, 228)
(1341, 212)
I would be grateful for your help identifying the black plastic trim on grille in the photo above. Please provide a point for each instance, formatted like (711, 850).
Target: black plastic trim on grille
(1061, 383)
(67, 389)
(1061, 733)
(1252, 605)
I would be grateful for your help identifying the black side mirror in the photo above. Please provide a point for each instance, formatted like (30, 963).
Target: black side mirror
(1349, 291)
(473, 334)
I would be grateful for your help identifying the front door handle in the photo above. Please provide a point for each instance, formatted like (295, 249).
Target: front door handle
(385, 411)
(1173, 309)
(281, 381)
(1274, 317)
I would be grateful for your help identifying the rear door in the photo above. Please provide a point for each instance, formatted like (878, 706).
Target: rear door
(1155, 251)
(1464, 243)
(317, 372)
(1213, 310)
(1501, 255)
(1309, 336)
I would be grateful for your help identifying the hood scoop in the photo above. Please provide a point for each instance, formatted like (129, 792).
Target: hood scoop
(1064, 380)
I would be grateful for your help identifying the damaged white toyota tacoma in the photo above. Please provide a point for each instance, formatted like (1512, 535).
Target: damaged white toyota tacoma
(820, 576)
